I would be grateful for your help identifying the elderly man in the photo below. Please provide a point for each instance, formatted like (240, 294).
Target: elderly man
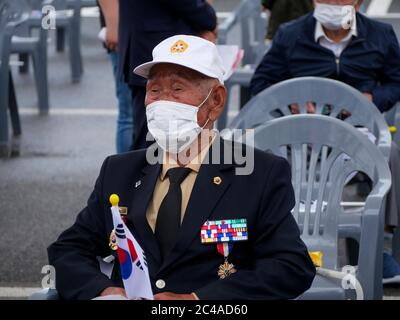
(169, 203)
(333, 42)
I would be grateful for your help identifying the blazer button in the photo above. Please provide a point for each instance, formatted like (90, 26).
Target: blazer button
(160, 284)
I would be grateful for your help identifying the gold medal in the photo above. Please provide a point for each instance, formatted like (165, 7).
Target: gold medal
(113, 241)
(226, 269)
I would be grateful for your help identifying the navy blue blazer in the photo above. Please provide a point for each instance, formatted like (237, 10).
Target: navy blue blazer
(370, 63)
(144, 24)
(272, 264)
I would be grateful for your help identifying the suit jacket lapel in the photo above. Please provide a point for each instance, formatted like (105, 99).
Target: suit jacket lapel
(137, 215)
(203, 199)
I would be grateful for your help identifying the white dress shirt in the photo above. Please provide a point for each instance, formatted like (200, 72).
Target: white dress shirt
(336, 47)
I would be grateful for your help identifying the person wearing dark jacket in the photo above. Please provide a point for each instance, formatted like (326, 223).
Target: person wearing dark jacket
(143, 25)
(365, 56)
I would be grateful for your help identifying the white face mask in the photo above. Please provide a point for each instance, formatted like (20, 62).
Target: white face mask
(173, 124)
(334, 17)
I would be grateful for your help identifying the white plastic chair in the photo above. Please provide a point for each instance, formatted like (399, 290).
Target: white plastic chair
(327, 139)
(26, 44)
(274, 102)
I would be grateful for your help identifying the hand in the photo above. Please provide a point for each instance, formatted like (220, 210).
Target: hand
(173, 296)
(113, 291)
(210, 35)
(369, 96)
(295, 108)
(112, 37)
(110, 9)
(310, 107)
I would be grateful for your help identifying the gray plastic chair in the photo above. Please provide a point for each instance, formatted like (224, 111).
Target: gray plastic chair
(274, 102)
(61, 31)
(12, 14)
(35, 20)
(70, 25)
(392, 116)
(24, 43)
(252, 25)
(319, 230)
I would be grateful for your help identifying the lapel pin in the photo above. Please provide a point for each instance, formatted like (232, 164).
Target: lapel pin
(138, 183)
(217, 180)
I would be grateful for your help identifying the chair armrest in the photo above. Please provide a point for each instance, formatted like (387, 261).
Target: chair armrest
(13, 24)
(371, 240)
(385, 143)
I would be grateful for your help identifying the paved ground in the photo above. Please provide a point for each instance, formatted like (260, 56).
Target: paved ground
(42, 190)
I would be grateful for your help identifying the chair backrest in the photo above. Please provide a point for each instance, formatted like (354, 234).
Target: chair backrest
(331, 97)
(323, 151)
(12, 12)
(253, 29)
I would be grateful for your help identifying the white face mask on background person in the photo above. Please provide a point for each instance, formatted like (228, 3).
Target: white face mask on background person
(173, 124)
(334, 17)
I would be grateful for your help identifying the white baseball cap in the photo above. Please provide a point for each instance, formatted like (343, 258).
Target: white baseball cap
(188, 51)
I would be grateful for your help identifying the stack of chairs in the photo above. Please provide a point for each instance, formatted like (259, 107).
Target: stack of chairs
(13, 13)
(331, 99)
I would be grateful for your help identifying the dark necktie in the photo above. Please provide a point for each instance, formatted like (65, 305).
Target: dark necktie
(169, 214)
